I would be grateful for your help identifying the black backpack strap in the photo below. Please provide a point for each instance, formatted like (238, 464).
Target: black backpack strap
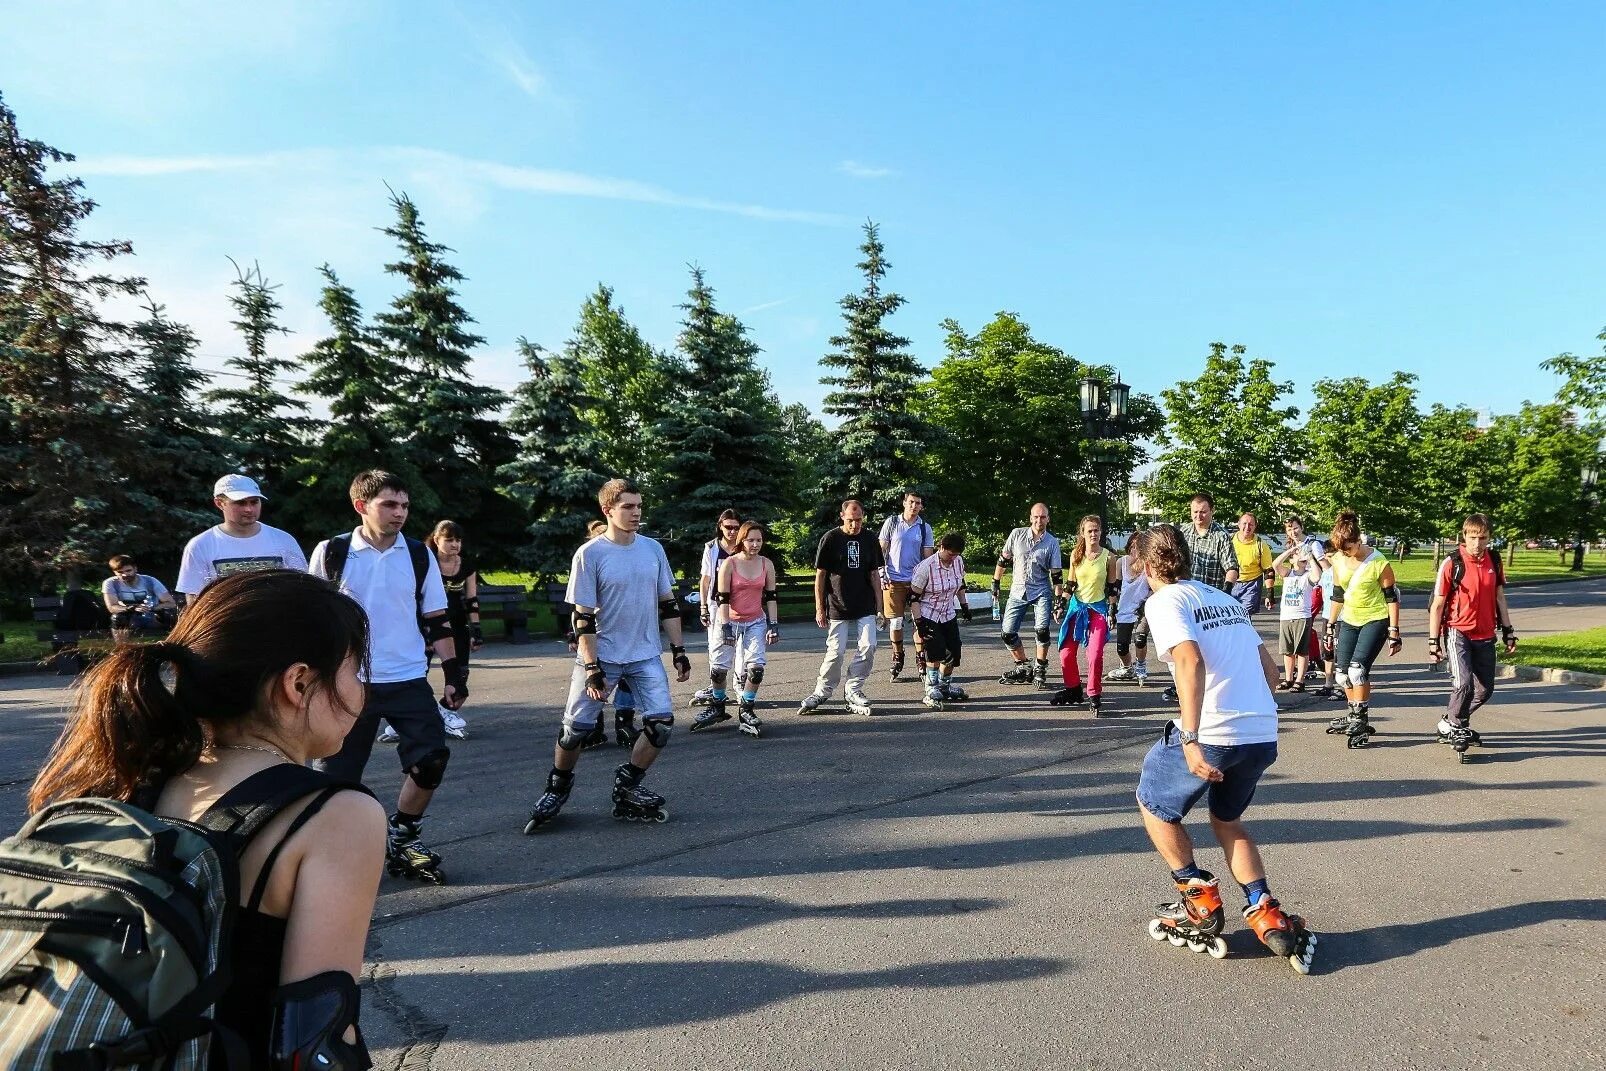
(335, 552)
(419, 553)
(253, 803)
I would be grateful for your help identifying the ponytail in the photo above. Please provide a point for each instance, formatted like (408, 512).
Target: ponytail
(127, 729)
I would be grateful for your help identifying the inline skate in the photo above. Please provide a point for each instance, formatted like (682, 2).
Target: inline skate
(1459, 737)
(1140, 673)
(858, 704)
(934, 698)
(747, 719)
(1040, 675)
(558, 785)
(897, 666)
(1019, 673)
(407, 857)
(811, 703)
(1196, 920)
(715, 712)
(1068, 697)
(631, 802)
(1354, 725)
(1284, 934)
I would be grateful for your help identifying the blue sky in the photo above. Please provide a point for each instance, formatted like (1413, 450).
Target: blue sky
(1348, 189)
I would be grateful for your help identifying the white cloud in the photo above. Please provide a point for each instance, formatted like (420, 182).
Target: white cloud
(864, 171)
(517, 65)
(444, 170)
(762, 306)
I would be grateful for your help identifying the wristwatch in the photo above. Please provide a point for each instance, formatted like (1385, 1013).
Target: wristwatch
(1187, 737)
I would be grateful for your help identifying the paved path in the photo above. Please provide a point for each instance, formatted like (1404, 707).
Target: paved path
(970, 888)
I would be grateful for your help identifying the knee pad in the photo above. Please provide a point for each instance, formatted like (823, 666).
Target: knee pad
(1358, 674)
(656, 730)
(572, 739)
(1341, 678)
(896, 624)
(429, 771)
(1042, 637)
(310, 1019)
(755, 676)
(717, 677)
(1011, 639)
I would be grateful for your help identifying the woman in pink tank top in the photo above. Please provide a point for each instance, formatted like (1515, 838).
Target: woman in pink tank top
(746, 617)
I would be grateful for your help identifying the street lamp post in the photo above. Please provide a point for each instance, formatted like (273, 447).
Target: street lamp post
(1587, 476)
(1104, 410)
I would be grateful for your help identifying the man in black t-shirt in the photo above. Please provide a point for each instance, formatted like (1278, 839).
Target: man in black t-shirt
(848, 578)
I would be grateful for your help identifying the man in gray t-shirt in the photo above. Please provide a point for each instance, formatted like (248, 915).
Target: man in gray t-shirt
(1035, 555)
(623, 593)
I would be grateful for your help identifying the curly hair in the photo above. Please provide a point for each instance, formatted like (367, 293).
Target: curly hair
(1164, 554)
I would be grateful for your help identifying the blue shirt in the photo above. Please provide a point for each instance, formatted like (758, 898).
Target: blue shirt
(905, 544)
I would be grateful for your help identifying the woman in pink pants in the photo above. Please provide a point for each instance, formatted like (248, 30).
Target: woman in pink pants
(1095, 581)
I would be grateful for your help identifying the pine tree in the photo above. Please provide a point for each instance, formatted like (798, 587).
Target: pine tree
(721, 435)
(880, 438)
(64, 442)
(452, 426)
(350, 370)
(180, 457)
(552, 477)
(264, 426)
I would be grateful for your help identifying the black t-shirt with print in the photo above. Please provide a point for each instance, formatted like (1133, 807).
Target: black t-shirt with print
(851, 562)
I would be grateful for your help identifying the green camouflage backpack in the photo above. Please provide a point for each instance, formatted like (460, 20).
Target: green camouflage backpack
(115, 926)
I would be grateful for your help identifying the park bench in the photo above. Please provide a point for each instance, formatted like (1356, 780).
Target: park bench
(505, 603)
(68, 651)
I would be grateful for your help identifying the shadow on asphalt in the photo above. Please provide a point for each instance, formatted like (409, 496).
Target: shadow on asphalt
(1363, 948)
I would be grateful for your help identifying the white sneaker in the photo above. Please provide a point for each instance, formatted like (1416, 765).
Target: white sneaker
(387, 735)
(455, 725)
(1120, 673)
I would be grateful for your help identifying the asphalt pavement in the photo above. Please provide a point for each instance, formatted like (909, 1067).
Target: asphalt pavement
(970, 888)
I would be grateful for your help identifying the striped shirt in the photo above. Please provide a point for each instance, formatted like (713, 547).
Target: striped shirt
(938, 586)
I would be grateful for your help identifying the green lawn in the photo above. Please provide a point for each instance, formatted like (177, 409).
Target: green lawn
(1416, 572)
(1583, 651)
(20, 646)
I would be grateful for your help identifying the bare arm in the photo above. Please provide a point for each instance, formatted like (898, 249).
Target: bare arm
(722, 586)
(335, 881)
(1188, 673)
(819, 598)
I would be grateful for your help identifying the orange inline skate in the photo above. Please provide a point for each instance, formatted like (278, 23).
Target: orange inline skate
(1196, 921)
(1284, 934)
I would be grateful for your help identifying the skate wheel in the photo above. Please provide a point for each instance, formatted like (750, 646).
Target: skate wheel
(1463, 758)
(1217, 948)
(1197, 946)
(434, 877)
(661, 816)
(1157, 930)
(1176, 939)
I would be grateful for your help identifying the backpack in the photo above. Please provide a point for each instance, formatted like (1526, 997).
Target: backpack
(115, 927)
(339, 549)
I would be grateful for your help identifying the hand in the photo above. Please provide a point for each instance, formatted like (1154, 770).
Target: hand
(821, 620)
(1194, 754)
(476, 638)
(454, 697)
(1508, 636)
(596, 683)
(1435, 652)
(727, 635)
(702, 616)
(682, 663)
(880, 622)
(1395, 643)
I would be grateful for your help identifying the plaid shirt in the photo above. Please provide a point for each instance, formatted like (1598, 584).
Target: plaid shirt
(1212, 554)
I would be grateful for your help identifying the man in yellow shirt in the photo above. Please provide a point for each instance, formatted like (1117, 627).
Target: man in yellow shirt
(1253, 588)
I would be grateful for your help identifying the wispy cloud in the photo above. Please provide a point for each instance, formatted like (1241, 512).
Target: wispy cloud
(763, 305)
(518, 66)
(449, 167)
(863, 170)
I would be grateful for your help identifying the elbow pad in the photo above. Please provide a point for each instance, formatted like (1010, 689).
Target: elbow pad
(1003, 563)
(584, 624)
(1338, 593)
(1391, 594)
(769, 595)
(309, 1019)
(719, 596)
(668, 608)
(437, 629)
(1057, 576)
(472, 605)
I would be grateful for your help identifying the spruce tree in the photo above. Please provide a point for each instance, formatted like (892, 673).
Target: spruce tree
(553, 476)
(880, 439)
(721, 436)
(452, 427)
(350, 370)
(65, 449)
(180, 457)
(263, 426)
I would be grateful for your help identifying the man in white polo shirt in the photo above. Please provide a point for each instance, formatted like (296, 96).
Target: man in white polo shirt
(395, 579)
(241, 544)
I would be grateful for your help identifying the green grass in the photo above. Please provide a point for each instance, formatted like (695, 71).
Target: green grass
(1416, 572)
(1584, 652)
(20, 645)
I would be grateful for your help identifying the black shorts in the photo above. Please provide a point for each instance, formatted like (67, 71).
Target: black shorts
(940, 640)
(410, 708)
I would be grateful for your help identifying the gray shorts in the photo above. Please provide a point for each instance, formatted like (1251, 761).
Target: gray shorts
(1293, 637)
(648, 684)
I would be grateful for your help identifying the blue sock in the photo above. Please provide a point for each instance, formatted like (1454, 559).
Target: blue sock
(719, 694)
(932, 677)
(748, 697)
(1255, 890)
(1190, 871)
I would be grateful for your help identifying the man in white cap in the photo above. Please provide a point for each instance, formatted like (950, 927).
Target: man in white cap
(241, 544)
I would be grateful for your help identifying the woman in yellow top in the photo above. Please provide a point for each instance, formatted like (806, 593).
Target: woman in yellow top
(1365, 613)
(1095, 581)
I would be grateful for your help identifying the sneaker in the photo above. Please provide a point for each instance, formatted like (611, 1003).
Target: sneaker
(456, 727)
(1121, 673)
(387, 735)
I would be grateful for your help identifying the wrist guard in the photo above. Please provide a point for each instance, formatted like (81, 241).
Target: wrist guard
(310, 1018)
(475, 634)
(1508, 635)
(997, 590)
(456, 674)
(964, 611)
(594, 676)
(773, 633)
(472, 605)
(677, 655)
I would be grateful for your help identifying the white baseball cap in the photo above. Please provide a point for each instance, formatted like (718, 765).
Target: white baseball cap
(235, 487)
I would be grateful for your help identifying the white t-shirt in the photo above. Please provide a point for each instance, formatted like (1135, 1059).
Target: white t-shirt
(1134, 589)
(1296, 603)
(215, 554)
(382, 583)
(1238, 706)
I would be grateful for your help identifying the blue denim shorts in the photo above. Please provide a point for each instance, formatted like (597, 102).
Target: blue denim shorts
(643, 685)
(1015, 609)
(1168, 790)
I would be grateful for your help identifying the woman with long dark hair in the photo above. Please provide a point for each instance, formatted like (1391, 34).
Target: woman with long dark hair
(262, 670)
(461, 578)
